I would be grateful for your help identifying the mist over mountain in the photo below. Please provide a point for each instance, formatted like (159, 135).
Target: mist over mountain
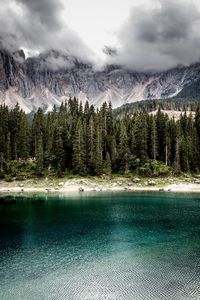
(152, 51)
(52, 77)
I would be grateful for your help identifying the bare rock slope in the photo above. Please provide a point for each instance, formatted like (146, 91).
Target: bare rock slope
(50, 78)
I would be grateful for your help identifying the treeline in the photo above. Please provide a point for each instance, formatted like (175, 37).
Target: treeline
(178, 104)
(82, 140)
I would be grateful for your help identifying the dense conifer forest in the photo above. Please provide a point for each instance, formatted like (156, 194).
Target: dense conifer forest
(83, 141)
(178, 104)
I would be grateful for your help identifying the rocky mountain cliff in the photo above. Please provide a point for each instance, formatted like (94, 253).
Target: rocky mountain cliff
(50, 78)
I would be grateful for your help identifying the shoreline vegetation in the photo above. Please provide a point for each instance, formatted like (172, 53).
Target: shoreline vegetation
(102, 184)
(78, 148)
(81, 140)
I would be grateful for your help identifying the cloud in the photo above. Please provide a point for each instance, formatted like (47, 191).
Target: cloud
(109, 51)
(46, 11)
(54, 60)
(160, 37)
(154, 37)
(38, 26)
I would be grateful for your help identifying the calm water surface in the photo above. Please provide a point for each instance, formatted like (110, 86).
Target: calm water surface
(100, 246)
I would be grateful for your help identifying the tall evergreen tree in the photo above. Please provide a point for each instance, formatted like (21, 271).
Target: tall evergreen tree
(161, 128)
(123, 150)
(78, 159)
(24, 137)
(59, 151)
(92, 141)
(39, 154)
(141, 137)
(98, 148)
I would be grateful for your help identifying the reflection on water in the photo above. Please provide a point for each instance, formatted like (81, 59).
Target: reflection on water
(100, 246)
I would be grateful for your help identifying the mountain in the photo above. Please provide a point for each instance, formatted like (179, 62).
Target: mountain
(50, 78)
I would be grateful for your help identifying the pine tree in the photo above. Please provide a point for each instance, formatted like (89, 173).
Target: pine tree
(8, 147)
(24, 137)
(38, 131)
(197, 128)
(171, 141)
(161, 121)
(59, 151)
(91, 145)
(123, 150)
(152, 138)
(103, 119)
(78, 159)
(177, 162)
(141, 137)
(98, 164)
(39, 155)
(15, 118)
(107, 164)
(113, 151)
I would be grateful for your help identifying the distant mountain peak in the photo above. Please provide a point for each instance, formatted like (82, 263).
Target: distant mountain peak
(51, 77)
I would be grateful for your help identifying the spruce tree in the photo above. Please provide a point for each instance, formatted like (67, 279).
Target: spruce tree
(141, 137)
(59, 151)
(98, 148)
(123, 150)
(91, 145)
(39, 154)
(161, 128)
(24, 137)
(78, 158)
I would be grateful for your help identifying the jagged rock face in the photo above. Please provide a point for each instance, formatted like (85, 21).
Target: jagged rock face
(50, 78)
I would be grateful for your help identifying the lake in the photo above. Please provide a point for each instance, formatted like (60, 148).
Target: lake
(112, 246)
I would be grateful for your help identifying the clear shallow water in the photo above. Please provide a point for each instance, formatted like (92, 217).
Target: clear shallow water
(100, 246)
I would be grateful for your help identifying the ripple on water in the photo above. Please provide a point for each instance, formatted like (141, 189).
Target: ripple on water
(111, 247)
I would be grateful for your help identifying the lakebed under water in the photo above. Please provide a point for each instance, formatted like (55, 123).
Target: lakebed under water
(100, 246)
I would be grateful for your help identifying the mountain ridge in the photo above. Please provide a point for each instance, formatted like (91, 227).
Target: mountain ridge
(52, 77)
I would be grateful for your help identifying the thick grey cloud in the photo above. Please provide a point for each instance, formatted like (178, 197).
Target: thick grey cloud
(155, 38)
(38, 25)
(161, 37)
(47, 11)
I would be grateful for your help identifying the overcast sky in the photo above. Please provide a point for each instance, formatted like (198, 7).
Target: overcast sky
(142, 34)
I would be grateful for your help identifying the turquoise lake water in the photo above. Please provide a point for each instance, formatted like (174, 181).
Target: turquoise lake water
(112, 246)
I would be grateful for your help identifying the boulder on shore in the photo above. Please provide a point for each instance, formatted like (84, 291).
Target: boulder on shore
(136, 180)
(106, 177)
(151, 183)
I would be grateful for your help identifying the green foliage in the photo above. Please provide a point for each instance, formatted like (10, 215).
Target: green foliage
(2, 175)
(83, 141)
(78, 160)
(160, 169)
(178, 103)
(154, 169)
(107, 168)
(9, 178)
(20, 177)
